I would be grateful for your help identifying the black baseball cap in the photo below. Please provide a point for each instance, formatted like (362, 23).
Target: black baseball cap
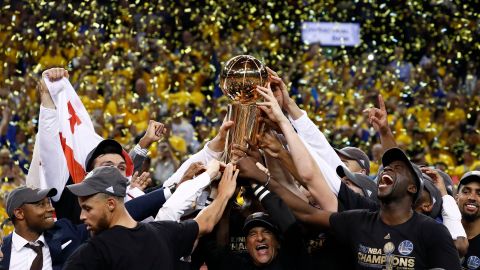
(362, 181)
(394, 154)
(259, 219)
(23, 195)
(104, 179)
(435, 196)
(447, 180)
(471, 176)
(356, 154)
(107, 146)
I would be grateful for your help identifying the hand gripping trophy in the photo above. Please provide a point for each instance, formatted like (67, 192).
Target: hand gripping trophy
(238, 80)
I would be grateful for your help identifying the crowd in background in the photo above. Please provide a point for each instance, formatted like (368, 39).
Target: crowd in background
(134, 61)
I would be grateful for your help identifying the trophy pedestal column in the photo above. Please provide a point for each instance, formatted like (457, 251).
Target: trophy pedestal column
(247, 126)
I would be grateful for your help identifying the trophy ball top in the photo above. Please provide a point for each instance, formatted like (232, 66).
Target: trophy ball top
(240, 76)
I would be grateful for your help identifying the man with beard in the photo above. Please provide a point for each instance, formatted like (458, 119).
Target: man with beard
(120, 242)
(394, 237)
(468, 200)
(31, 212)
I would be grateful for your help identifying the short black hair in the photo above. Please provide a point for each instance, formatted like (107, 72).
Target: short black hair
(106, 196)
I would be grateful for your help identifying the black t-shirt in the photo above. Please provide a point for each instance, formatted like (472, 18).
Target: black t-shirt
(227, 260)
(154, 245)
(237, 237)
(292, 254)
(419, 243)
(472, 258)
(326, 252)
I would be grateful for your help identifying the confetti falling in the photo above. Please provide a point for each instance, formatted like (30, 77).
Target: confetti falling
(422, 56)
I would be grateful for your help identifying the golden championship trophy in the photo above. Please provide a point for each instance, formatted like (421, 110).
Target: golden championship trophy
(238, 80)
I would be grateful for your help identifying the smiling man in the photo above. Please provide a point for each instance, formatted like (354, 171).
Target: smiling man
(120, 242)
(468, 200)
(32, 245)
(274, 240)
(31, 212)
(261, 238)
(394, 237)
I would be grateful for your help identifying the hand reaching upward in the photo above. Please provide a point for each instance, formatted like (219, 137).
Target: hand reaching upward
(155, 132)
(270, 105)
(378, 117)
(279, 86)
(271, 145)
(228, 183)
(55, 74)
(52, 74)
(218, 143)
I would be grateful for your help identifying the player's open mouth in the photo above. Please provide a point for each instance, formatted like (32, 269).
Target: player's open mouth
(385, 180)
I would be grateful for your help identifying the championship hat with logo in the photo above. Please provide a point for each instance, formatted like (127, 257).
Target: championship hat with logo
(105, 179)
(354, 153)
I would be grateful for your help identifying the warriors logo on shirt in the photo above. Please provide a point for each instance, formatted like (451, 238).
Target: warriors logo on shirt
(473, 262)
(405, 247)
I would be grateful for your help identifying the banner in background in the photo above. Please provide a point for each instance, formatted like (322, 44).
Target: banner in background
(331, 34)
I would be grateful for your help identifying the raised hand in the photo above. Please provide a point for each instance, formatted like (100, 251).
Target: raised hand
(437, 179)
(277, 84)
(270, 105)
(218, 143)
(240, 151)
(270, 144)
(213, 168)
(155, 132)
(141, 182)
(378, 117)
(249, 169)
(55, 74)
(270, 124)
(193, 170)
(229, 181)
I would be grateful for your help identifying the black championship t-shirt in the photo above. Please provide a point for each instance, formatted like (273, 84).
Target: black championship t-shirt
(326, 252)
(472, 259)
(419, 243)
(237, 237)
(154, 245)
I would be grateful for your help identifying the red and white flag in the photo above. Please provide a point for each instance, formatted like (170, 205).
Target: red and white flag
(65, 138)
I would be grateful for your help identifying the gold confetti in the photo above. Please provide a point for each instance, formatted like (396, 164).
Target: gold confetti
(179, 57)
